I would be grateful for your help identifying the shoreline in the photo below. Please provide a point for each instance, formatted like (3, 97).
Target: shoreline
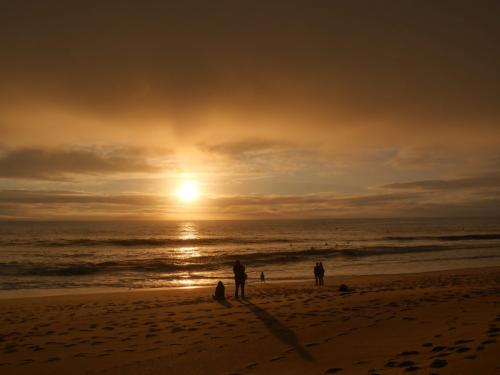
(61, 292)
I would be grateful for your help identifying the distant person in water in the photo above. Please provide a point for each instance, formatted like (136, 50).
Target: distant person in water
(239, 278)
(262, 277)
(220, 293)
(321, 273)
(316, 273)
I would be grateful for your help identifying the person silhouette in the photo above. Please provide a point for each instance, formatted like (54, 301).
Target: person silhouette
(316, 273)
(321, 273)
(219, 292)
(239, 278)
(262, 277)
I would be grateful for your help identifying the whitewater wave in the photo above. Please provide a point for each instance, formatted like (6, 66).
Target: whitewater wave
(214, 241)
(212, 263)
(461, 237)
(149, 242)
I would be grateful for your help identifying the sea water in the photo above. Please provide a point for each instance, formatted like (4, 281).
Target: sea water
(78, 256)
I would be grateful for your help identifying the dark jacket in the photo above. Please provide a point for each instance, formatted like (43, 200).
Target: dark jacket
(239, 273)
(220, 291)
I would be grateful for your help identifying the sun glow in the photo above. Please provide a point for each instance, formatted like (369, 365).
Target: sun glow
(188, 191)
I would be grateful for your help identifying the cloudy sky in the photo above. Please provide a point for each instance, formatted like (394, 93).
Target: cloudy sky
(285, 109)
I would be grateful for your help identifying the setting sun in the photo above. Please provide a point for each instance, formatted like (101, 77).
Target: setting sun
(188, 191)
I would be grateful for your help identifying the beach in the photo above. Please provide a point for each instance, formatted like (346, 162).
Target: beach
(443, 322)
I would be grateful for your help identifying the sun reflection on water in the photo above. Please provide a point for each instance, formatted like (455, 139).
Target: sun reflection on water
(188, 232)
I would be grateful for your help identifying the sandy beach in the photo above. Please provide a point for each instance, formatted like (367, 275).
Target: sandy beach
(430, 323)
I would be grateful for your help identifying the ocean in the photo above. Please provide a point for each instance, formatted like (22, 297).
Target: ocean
(40, 257)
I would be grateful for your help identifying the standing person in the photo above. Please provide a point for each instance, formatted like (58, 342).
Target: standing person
(321, 273)
(239, 278)
(262, 277)
(316, 273)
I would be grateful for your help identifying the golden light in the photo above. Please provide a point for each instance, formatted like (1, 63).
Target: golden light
(188, 191)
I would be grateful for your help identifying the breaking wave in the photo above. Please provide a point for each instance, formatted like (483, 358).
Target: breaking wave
(209, 263)
(462, 237)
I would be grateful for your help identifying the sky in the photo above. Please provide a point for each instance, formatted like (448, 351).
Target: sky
(275, 109)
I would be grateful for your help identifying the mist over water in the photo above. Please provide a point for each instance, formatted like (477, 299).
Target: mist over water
(54, 255)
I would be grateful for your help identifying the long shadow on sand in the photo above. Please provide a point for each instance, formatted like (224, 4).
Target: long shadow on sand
(225, 303)
(278, 329)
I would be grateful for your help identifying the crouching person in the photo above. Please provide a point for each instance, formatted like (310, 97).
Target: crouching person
(220, 292)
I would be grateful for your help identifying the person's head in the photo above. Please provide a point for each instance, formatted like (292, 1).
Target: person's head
(237, 263)
(320, 263)
(220, 283)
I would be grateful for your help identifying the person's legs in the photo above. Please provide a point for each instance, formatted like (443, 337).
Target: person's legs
(236, 289)
(243, 289)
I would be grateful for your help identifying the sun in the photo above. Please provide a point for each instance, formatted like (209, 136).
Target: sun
(188, 191)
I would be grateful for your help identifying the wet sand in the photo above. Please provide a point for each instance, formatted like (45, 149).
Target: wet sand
(429, 323)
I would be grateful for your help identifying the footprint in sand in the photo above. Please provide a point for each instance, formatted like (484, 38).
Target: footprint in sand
(412, 368)
(406, 364)
(333, 370)
(459, 342)
(311, 344)
(391, 363)
(493, 331)
(10, 349)
(439, 363)
(490, 341)
(252, 365)
(438, 348)
(274, 359)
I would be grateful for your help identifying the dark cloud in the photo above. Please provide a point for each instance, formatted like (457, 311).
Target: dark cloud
(27, 204)
(42, 204)
(478, 182)
(407, 204)
(428, 158)
(60, 164)
(286, 69)
(264, 157)
(332, 200)
(63, 197)
(238, 148)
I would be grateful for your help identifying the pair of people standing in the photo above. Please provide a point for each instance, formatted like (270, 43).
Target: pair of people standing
(319, 273)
